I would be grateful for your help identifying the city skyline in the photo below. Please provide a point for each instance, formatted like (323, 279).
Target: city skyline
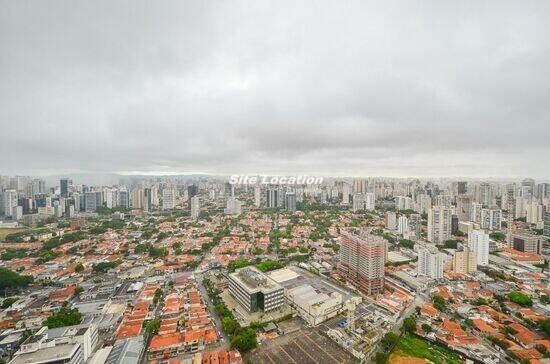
(367, 89)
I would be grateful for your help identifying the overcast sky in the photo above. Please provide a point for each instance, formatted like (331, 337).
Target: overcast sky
(441, 88)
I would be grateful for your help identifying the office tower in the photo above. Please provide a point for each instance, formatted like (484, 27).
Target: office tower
(430, 262)
(478, 242)
(403, 225)
(272, 197)
(195, 207)
(360, 186)
(527, 188)
(543, 191)
(439, 224)
(464, 207)
(527, 242)
(510, 210)
(491, 219)
(147, 199)
(290, 202)
(169, 196)
(257, 196)
(93, 200)
(65, 187)
(546, 230)
(362, 259)
(391, 221)
(192, 191)
(123, 199)
(461, 187)
(9, 201)
(415, 224)
(465, 261)
(346, 191)
(402, 203)
(454, 225)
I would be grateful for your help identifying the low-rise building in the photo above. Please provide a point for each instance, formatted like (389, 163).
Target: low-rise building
(255, 291)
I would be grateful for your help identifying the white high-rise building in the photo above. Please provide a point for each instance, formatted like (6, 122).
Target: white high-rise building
(346, 190)
(169, 196)
(430, 261)
(403, 225)
(402, 203)
(439, 224)
(391, 220)
(257, 196)
(233, 206)
(478, 242)
(195, 207)
(475, 212)
(9, 201)
(491, 219)
(535, 213)
(370, 199)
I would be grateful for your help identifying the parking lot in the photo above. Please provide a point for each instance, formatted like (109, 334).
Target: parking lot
(300, 347)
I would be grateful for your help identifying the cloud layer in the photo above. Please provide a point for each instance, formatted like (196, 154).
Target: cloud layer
(335, 88)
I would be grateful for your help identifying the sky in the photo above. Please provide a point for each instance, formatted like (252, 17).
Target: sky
(352, 88)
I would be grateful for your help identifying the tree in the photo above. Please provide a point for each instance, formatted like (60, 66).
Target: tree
(79, 268)
(545, 326)
(426, 328)
(498, 235)
(64, 317)
(439, 303)
(153, 326)
(520, 298)
(409, 325)
(8, 302)
(229, 325)
(245, 340)
(381, 358)
(450, 244)
(158, 296)
(12, 280)
(388, 341)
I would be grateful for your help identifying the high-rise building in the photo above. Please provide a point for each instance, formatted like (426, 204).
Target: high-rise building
(169, 196)
(346, 191)
(510, 211)
(272, 197)
(362, 259)
(535, 213)
(290, 204)
(415, 224)
(402, 203)
(192, 191)
(93, 200)
(65, 186)
(464, 261)
(491, 219)
(546, 230)
(233, 206)
(478, 242)
(360, 186)
(391, 220)
(257, 196)
(403, 225)
(195, 207)
(463, 207)
(461, 187)
(8, 202)
(147, 199)
(123, 199)
(430, 261)
(439, 224)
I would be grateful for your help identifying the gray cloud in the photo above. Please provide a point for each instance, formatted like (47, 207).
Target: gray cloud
(353, 88)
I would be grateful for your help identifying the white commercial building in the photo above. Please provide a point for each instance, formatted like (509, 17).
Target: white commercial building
(195, 207)
(169, 196)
